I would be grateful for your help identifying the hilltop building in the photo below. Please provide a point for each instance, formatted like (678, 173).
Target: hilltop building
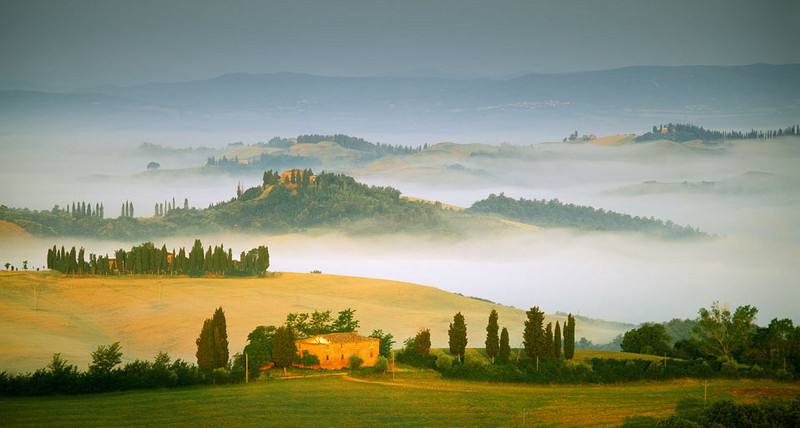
(334, 350)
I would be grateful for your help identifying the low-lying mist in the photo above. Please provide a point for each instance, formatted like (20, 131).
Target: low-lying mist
(622, 277)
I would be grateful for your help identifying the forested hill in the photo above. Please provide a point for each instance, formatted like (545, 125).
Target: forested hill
(553, 213)
(293, 201)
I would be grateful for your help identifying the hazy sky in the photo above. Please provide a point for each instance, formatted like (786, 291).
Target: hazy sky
(87, 43)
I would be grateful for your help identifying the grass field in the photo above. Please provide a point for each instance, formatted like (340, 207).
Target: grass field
(413, 399)
(43, 313)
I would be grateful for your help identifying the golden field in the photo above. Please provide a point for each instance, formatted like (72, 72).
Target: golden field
(45, 312)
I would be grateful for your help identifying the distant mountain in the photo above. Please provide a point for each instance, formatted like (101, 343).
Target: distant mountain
(630, 98)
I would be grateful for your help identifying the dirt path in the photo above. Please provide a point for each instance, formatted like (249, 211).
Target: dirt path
(404, 385)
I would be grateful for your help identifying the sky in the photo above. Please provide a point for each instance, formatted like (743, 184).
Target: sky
(76, 44)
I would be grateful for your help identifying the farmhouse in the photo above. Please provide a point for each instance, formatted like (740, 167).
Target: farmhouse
(334, 350)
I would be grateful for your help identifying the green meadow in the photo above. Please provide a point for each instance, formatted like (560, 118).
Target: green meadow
(413, 398)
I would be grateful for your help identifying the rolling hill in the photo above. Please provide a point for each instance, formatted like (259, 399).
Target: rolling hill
(43, 313)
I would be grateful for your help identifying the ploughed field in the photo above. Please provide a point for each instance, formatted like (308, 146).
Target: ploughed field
(44, 312)
(414, 398)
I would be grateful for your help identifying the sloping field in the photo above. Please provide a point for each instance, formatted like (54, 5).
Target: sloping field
(43, 313)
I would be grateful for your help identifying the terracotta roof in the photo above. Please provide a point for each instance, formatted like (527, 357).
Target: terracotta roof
(338, 338)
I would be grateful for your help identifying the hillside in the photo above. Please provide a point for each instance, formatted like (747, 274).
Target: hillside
(331, 200)
(554, 213)
(43, 313)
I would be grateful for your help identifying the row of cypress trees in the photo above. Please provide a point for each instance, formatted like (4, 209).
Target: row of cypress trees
(83, 209)
(149, 259)
(539, 341)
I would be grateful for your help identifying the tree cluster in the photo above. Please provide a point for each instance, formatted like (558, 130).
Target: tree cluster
(127, 210)
(682, 132)
(554, 213)
(322, 322)
(164, 208)
(149, 259)
(212, 344)
(82, 210)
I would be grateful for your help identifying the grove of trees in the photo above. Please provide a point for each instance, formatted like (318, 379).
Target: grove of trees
(149, 259)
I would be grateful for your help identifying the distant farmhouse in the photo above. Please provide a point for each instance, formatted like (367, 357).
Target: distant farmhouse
(334, 350)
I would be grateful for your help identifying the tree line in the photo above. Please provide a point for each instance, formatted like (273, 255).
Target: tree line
(729, 337)
(682, 132)
(554, 213)
(82, 210)
(146, 258)
(539, 341)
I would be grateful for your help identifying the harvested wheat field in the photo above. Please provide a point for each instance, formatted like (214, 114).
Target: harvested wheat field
(43, 313)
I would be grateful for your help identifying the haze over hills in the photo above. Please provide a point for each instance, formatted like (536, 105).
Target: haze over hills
(624, 99)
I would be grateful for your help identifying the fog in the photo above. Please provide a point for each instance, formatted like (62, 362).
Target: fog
(753, 207)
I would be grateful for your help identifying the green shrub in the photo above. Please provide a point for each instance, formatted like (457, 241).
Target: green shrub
(355, 362)
(444, 362)
(382, 365)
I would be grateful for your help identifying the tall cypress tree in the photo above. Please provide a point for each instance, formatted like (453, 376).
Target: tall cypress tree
(557, 341)
(504, 353)
(205, 346)
(492, 341)
(458, 336)
(548, 340)
(220, 339)
(569, 338)
(533, 335)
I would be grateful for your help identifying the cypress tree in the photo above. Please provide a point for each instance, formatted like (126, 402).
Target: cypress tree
(422, 342)
(569, 337)
(492, 341)
(458, 336)
(205, 346)
(533, 335)
(548, 338)
(504, 353)
(557, 341)
(220, 339)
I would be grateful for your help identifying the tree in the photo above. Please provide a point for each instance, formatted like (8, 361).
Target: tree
(259, 347)
(504, 353)
(722, 333)
(283, 347)
(533, 336)
(458, 336)
(205, 346)
(648, 338)
(387, 340)
(345, 322)
(557, 341)
(422, 342)
(569, 337)
(548, 341)
(492, 341)
(105, 358)
(220, 339)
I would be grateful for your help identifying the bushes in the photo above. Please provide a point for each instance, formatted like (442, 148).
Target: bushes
(382, 365)
(444, 362)
(726, 413)
(60, 377)
(354, 362)
(598, 370)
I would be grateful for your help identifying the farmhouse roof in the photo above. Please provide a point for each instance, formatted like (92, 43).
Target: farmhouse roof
(338, 338)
